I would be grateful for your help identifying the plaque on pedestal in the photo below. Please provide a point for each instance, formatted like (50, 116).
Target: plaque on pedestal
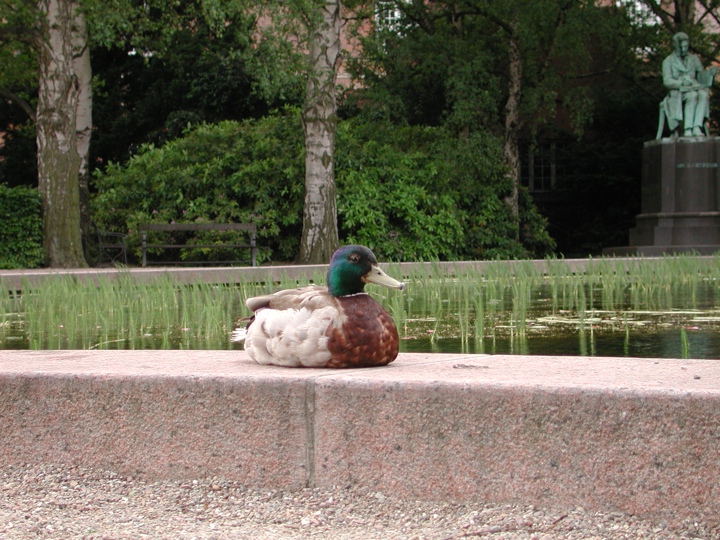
(680, 207)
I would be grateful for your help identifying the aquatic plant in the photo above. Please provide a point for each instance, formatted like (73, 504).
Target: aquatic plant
(491, 307)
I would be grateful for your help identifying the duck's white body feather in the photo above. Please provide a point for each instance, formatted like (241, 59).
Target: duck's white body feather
(291, 327)
(290, 337)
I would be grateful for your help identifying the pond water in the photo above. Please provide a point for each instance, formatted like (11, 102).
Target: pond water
(685, 323)
(536, 315)
(665, 343)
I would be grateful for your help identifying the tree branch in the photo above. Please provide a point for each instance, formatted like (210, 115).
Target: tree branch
(23, 104)
(666, 18)
(590, 74)
(506, 26)
(710, 9)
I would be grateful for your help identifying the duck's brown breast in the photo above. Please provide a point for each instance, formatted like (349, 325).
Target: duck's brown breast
(367, 336)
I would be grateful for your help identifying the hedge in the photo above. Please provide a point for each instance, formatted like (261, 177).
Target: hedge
(21, 231)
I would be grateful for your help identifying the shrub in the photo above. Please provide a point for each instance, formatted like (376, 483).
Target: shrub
(392, 195)
(409, 193)
(419, 193)
(249, 172)
(21, 233)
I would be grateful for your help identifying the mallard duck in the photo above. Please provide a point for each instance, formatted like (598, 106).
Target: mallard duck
(338, 326)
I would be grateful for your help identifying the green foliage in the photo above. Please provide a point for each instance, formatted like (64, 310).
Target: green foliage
(18, 155)
(18, 88)
(249, 172)
(589, 82)
(390, 196)
(409, 193)
(21, 233)
(473, 167)
(18, 27)
(198, 76)
(420, 193)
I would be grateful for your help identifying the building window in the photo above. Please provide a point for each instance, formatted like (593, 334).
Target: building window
(539, 169)
(387, 15)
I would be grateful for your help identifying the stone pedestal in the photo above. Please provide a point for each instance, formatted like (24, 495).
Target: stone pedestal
(680, 210)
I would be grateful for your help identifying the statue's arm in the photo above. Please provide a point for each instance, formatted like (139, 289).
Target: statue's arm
(703, 77)
(697, 64)
(669, 81)
(713, 70)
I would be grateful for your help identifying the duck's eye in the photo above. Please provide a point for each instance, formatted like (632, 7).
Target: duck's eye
(354, 258)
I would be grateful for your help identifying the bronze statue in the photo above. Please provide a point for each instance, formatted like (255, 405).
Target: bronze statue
(687, 103)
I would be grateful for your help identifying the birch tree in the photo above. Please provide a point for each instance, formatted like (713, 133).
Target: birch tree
(511, 150)
(83, 116)
(320, 235)
(56, 124)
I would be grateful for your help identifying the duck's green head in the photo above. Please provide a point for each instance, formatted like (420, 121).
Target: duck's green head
(352, 267)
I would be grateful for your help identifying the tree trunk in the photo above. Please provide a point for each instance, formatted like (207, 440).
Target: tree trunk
(511, 150)
(83, 120)
(58, 159)
(684, 14)
(320, 234)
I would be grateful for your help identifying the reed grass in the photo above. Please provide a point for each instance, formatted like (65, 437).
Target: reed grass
(504, 299)
(684, 343)
(502, 296)
(64, 313)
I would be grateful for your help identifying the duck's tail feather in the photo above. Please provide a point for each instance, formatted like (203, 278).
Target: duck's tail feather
(239, 334)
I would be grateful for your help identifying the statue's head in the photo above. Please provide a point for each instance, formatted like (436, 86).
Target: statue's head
(678, 39)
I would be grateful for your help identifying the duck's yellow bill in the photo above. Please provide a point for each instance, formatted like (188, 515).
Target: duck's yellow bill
(378, 277)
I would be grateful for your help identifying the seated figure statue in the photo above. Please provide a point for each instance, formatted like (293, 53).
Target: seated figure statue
(687, 102)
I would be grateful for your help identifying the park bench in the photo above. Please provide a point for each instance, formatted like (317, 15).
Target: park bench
(111, 245)
(169, 242)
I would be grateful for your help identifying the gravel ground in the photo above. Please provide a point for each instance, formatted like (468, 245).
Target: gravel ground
(62, 502)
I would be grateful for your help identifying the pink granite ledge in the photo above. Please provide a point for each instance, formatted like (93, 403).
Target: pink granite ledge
(634, 435)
